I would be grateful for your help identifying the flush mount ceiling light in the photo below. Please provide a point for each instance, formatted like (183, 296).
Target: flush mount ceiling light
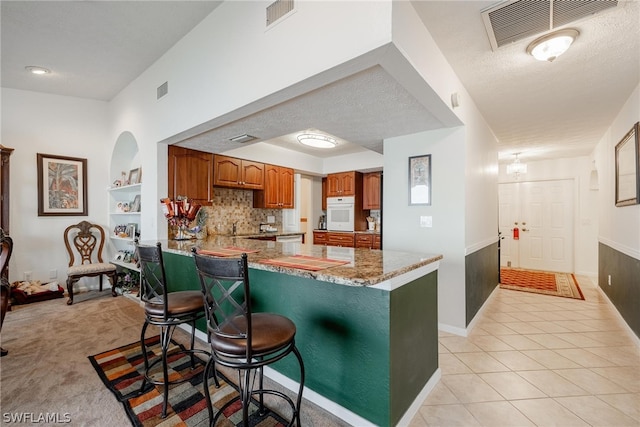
(516, 168)
(316, 140)
(34, 69)
(552, 45)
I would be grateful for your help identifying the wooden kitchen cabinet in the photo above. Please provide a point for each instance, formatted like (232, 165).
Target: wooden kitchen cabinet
(368, 240)
(340, 239)
(237, 173)
(343, 183)
(324, 194)
(190, 174)
(320, 238)
(371, 185)
(278, 189)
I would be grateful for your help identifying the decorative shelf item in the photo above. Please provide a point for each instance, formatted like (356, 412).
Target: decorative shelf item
(179, 214)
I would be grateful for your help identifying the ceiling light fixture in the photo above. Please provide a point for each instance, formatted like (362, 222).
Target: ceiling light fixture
(516, 168)
(34, 69)
(316, 140)
(552, 45)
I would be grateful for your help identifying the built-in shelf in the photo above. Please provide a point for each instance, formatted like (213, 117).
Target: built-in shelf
(127, 265)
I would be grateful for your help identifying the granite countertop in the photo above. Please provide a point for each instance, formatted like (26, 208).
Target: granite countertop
(366, 267)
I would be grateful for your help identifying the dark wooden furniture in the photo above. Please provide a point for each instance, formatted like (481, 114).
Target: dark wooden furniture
(324, 194)
(190, 174)
(6, 248)
(85, 241)
(166, 310)
(241, 339)
(237, 173)
(278, 189)
(5, 154)
(371, 184)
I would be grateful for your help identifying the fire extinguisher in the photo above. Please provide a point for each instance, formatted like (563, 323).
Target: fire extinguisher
(516, 233)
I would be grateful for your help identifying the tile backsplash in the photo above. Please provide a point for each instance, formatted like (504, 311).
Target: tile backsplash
(232, 205)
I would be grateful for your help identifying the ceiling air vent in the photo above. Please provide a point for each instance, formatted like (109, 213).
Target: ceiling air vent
(278, 9)
(511, 21)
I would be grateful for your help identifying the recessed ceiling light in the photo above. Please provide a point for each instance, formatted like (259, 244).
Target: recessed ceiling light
(33, 69)
(316, 140)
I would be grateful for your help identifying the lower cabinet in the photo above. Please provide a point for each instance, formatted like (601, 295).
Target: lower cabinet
(368, 240)
(346, 239)
(340, 239)
(319, 237)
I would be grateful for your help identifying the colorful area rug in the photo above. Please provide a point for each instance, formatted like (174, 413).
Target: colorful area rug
(121, 370)
(540, 282)
(304, 262)
(228, 251)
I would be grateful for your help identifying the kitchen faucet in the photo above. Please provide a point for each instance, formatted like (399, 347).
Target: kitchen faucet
(234, 228)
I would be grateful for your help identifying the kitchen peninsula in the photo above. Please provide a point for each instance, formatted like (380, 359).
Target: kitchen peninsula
(367, 329)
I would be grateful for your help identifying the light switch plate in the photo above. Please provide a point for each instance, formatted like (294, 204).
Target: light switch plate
(271, 219)
(426, 221)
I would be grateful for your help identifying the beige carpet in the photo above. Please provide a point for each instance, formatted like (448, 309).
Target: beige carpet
(47, 369)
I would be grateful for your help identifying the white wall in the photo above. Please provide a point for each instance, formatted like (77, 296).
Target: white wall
(221, 71)
(50, 124)
(619, 227)
(401, 222)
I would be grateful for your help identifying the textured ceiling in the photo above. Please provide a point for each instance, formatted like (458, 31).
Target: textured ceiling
(545, 110)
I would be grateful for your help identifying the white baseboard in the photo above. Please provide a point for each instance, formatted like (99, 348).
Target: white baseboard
(464, 332)
(419, 400)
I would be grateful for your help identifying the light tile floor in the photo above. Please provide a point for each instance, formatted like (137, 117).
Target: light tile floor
(536, 360)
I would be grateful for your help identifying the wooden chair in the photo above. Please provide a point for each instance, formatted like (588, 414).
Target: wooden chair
(241, 339)
(87, 240)
(6, 247)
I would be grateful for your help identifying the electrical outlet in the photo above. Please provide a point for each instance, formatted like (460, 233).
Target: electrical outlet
(609, 280)
(53, 274)
(271, 219)
(27, 276)
(426, 221)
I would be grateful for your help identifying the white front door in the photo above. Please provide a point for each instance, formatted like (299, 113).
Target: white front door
(544, 213)
(508, 215)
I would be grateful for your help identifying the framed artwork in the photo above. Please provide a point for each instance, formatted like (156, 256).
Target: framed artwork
(628, 169)
(420, 180)
(62, 185)
(135, 175)
(135, 205)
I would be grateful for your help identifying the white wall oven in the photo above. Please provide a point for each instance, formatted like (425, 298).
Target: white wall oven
(340, 213)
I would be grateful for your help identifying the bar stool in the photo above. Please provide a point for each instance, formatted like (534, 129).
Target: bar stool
(165, 310)
(239, 338)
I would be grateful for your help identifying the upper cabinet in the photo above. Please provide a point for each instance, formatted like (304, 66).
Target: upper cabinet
(278, 188)
(343, 183)
(190, 174)
(371, 184)
(238, 173)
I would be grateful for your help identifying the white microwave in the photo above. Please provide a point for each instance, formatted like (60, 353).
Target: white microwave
(340, 213)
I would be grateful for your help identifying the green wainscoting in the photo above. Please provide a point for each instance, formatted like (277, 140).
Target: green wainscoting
(368, 350)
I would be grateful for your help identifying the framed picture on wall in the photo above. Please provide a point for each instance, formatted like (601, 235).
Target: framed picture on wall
(628, 169)
(62, 185)
(420, 180)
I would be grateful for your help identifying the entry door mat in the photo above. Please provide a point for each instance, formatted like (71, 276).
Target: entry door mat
(229, 251)
(540, 282)
(122, 369)
(304, 262)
